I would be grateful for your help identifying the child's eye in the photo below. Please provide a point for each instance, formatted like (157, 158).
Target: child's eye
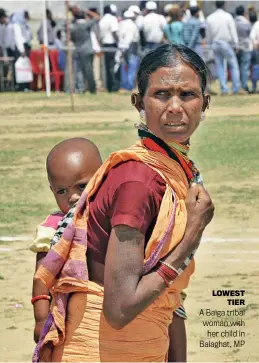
(61, 191)
(82, 186)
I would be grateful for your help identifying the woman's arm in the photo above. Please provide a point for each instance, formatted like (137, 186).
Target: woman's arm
(126, 293)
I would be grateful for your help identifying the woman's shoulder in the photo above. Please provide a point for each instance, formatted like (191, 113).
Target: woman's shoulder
(136, 171)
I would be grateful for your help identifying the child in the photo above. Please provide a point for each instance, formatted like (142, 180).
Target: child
(70, 165)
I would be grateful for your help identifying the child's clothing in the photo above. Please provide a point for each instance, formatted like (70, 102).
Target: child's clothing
(45, 232)
(50, 231)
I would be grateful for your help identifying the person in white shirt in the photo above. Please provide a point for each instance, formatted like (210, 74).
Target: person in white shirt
(129, 48)
(3, 28)
(138, 16)
(18, 39)
(222, 35)
(21, 31)
(153, 25)
(109, 27)
(139, 19)
(254, 35)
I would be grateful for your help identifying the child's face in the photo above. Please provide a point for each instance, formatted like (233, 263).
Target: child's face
(68, 187)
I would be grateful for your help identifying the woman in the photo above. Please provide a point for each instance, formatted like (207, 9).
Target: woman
(173, 31)
(144, 223)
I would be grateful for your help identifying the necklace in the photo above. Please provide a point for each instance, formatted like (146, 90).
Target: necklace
(175, 151)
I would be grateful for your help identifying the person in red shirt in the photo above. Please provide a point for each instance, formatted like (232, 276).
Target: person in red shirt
(129, 304)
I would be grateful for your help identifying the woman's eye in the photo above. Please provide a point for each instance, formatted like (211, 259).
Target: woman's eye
(162, 93)
(61, 191)
(187, 94)
(82, 186)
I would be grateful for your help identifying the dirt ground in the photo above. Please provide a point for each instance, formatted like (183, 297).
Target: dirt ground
(231, 263)
(219, 265)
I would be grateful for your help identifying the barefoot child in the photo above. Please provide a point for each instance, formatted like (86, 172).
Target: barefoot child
(70, 165)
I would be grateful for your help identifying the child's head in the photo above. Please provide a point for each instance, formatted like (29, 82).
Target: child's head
(70, 166)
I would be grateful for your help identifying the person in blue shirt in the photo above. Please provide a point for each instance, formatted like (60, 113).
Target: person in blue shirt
(191, 30)
(173, 31)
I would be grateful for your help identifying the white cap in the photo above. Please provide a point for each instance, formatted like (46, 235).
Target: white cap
(193, 3)
(113, 8)
(128, 14)
(167, 8)
(151, 5)
(134, 8)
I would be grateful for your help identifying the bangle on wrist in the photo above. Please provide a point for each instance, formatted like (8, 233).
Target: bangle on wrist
(169, 271)
(164, 277)
(40, 297)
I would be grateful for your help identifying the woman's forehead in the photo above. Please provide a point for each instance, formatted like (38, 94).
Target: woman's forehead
(178, 74)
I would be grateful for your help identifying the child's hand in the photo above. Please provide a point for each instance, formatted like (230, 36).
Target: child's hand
(47, 352)
(38, 329)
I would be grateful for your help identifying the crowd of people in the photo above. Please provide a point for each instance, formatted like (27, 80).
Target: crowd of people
(228, 43)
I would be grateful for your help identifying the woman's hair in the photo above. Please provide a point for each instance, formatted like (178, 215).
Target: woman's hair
(169, 55)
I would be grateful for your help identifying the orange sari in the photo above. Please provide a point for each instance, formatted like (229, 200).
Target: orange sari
(76, 326)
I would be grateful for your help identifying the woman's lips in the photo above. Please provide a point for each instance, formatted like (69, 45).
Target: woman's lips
(175, 124)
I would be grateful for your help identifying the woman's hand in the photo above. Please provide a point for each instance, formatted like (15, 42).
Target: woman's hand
(200, 211)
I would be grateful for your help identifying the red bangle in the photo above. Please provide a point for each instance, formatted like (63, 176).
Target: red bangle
(161, 273)
(40, 297)
(168, 270)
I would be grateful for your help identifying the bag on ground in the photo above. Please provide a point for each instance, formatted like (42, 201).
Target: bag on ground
(23, 70)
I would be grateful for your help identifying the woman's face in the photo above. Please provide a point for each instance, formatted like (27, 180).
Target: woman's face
(173, 102)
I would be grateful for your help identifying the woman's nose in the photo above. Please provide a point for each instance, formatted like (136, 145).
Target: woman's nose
(175, 105)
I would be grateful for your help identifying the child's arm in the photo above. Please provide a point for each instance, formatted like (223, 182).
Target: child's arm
(40, 307)
(177, 334)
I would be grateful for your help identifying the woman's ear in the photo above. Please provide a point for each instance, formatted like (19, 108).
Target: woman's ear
(206, 102)
(137, 101)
